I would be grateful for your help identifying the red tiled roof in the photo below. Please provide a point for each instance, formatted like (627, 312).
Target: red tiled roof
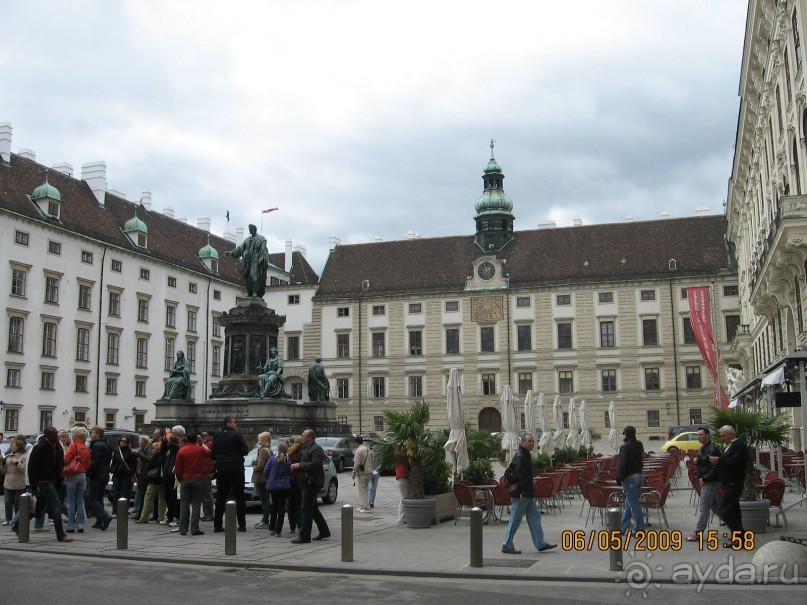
(169, 240)
(540, 257)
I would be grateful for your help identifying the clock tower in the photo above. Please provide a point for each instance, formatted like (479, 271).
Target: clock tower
(494, 210)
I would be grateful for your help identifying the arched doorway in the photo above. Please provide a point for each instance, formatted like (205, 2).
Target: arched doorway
(490, 419)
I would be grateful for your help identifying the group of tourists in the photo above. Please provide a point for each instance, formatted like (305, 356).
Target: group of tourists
(68, 475)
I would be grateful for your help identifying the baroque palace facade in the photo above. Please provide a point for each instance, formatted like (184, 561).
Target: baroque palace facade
(101, 292)
(767, 205)
(596, 312)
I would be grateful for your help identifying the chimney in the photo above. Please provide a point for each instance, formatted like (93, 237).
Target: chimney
(701, 211)
(629, 218)
(239, 235)
(64, 168)
(229, 236)
(94, 174)
(183, 220)
(378, 239)
(287, 265)
(28, 154)
(665, 215)
(168, 211)
(145, 200)
(5, 142)
(203, 222)
(578, 222)
(116, 193)
(300, 250)
(547, 225)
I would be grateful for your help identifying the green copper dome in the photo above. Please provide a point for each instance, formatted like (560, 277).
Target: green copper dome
(493, 199)
(135, 224)
(208, 251)
(46, 190)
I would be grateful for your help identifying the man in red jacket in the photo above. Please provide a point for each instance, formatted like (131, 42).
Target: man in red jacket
(192, 462)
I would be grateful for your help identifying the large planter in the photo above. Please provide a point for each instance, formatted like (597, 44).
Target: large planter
(445, 506)
(418, 512)
(755, 515)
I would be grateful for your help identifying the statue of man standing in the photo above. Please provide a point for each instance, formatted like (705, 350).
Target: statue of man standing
(254, 262)
(319, 389)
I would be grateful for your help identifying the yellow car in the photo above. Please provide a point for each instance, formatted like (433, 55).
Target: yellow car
(682, 441)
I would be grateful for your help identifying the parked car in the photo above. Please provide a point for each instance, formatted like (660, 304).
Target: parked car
(328, 493)
(683, 441)
(339, 450)
(684, 428)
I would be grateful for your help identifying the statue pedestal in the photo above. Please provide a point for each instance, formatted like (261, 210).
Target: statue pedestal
(281, 417)
(250, 330)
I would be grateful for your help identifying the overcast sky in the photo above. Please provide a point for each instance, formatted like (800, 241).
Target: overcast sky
(373, 118)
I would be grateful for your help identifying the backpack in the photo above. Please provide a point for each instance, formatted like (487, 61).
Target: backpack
(509, 482)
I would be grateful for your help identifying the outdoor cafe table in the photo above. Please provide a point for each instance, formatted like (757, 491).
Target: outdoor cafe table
(486, 491)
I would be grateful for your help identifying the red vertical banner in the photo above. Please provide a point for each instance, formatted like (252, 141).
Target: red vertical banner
(700, 316)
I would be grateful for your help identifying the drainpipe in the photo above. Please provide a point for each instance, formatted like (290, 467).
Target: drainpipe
(100, 330)
(675, 356)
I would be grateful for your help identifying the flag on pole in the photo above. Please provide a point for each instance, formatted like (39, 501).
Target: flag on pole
(270, 210)
(228, 216)
(700, 317)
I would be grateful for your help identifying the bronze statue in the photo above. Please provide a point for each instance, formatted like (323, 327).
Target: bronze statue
(254, 262)
(319, 389)
(270, 381)
(178, 384)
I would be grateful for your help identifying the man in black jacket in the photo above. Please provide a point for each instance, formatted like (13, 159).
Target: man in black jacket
(45, 473)
(229, 449)
(707, 475)
(731, 465)
(524, 502)
(98, 477)
(311, 463)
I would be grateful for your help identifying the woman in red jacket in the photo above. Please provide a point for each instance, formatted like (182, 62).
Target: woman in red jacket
(405, 487)
(75, 480)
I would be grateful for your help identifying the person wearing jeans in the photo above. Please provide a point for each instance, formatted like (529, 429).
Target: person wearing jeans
(523, 504)
(76, 483)
(707, 475)
(631, 478)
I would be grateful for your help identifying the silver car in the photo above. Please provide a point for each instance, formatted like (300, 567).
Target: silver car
(328, 493)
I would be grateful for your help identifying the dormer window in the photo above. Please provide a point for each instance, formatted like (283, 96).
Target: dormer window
(141, 240)
(48, 199)
(137, 231)
(53, 209)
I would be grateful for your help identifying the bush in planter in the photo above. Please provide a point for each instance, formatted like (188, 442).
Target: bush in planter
(541, 461)
(436, 471)
(483, 445)
(479, 471)
(754, 429)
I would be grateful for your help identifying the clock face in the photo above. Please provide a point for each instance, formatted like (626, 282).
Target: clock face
(486, 270)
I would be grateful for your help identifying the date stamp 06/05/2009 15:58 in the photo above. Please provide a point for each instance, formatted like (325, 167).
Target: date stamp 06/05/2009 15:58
(664, 540)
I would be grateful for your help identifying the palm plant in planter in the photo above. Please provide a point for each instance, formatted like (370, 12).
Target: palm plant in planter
(754, 429)
(409, 440)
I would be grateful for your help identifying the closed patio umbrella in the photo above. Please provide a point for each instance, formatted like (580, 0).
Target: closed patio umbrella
(557, 420)
(585, 432)
(547, 444)
(613, 436)
(457, 446)
(529, 412)
(510, 437)
(574, 436)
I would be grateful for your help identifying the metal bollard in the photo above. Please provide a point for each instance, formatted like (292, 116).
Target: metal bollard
(229, 528)
(476, 537)
(24, 519)
(615, 528)
(123, 523)
(347, 533)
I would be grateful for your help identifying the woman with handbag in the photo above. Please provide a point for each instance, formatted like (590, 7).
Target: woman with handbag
(14, 482)
(76, 463)
(155, 490)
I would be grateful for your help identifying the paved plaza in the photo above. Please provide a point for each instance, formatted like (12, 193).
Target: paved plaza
(383, 546)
